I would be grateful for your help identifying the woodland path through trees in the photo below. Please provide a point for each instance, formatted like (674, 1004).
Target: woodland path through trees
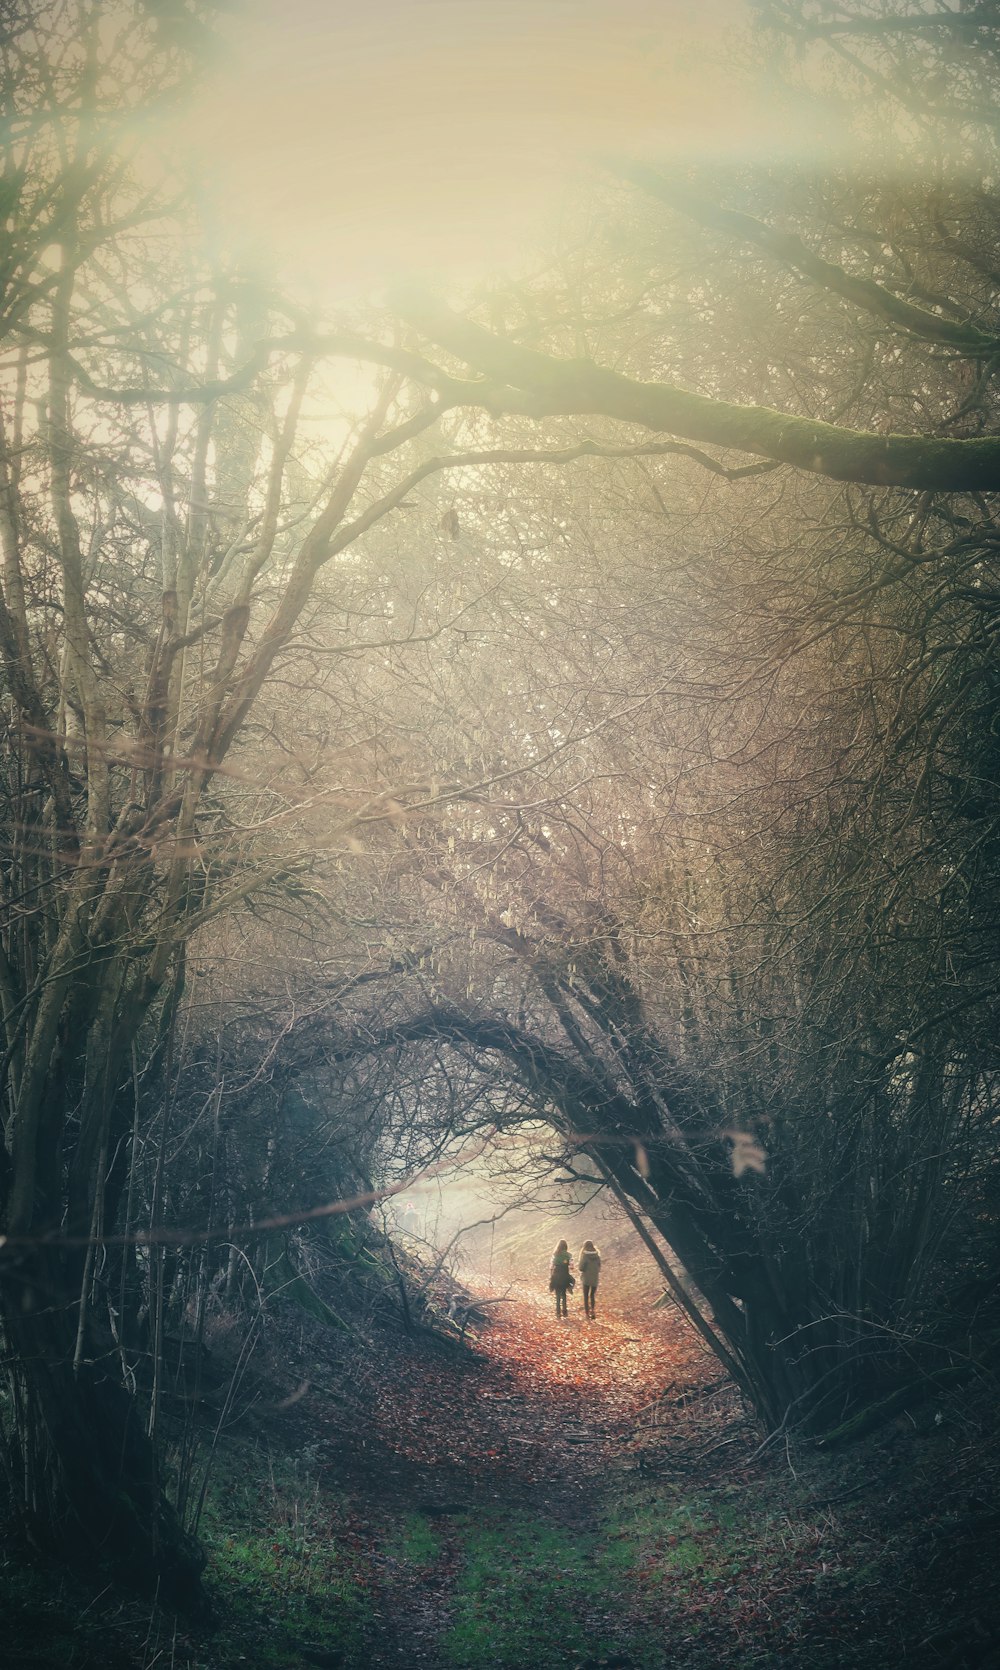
(597, 1498)
(414, 737)
(521, 1442)
(561, 1497)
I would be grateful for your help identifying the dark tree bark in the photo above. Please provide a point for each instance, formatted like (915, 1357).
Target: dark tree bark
(91, 1485)
(527, 381)
(664, 1151)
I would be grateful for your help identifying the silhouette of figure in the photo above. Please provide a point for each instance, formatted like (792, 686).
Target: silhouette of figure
(589, 1263)
(561, 1277)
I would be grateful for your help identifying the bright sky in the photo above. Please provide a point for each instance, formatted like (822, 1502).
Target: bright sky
(357, 140)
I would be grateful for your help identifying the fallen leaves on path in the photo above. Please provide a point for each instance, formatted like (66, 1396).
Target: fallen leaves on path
(540, 1389)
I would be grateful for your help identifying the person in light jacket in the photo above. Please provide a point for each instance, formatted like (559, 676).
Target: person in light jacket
(561, 1277)
(589, 1264)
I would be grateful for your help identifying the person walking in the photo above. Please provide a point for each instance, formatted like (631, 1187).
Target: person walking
(589, 1264)
(561, 1277)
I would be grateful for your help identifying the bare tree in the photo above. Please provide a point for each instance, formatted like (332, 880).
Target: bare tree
(749, 817)
(165, 525)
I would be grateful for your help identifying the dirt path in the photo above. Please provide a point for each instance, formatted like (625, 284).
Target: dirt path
(547, 1400)
(577, 1496)
(583, 1496)
(568, 1496)
(519, 1445)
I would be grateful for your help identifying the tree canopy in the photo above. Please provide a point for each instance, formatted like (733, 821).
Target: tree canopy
(404, 698)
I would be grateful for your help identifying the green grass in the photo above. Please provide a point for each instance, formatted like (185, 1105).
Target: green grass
(530, 1592)
(284, 1568)
(742, 1580)
(751, 1572)
(417, 1541)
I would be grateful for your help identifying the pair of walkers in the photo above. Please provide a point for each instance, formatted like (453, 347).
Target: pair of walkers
(562, 1280)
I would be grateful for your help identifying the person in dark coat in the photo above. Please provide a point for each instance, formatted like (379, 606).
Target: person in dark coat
(589, 1264)
(561, 1277)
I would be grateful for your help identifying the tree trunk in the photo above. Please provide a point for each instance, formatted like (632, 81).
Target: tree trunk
(79, 1459)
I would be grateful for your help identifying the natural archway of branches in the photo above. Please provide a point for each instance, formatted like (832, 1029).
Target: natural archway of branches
(448, 705)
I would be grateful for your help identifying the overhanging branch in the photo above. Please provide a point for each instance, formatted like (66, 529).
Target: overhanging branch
(540, 385)
(789, 248)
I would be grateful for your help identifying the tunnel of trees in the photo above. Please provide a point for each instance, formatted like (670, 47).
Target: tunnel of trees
(592, 716)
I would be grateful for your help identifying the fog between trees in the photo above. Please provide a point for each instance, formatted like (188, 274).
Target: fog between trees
(573, 701)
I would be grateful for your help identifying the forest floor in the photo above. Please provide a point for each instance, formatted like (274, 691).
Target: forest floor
(567, 1494)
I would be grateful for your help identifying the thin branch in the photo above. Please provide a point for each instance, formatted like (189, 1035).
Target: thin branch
(789, 248)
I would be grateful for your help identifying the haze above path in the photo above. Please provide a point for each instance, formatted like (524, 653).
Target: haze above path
(437, 136)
